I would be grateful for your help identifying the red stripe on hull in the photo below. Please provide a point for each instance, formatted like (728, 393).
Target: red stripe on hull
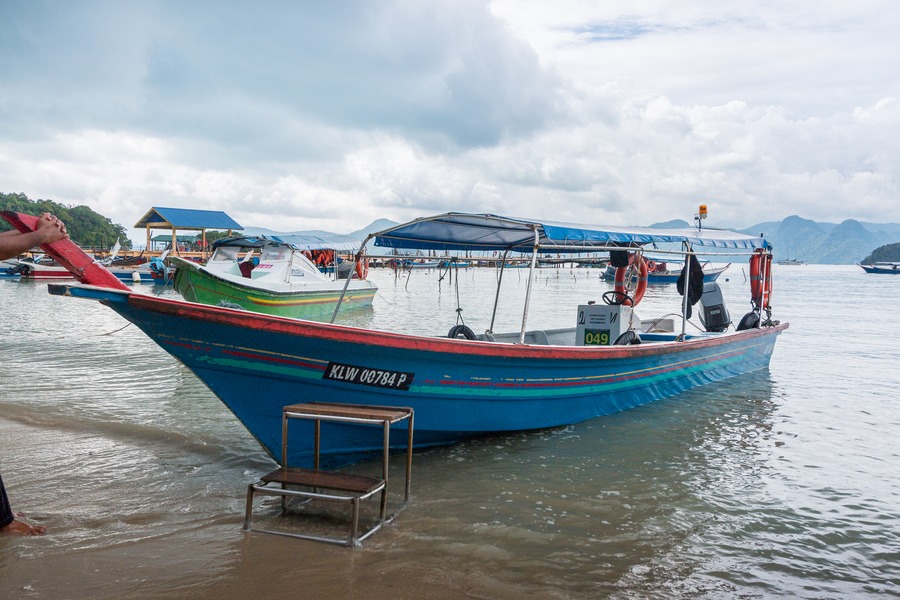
(381, 339)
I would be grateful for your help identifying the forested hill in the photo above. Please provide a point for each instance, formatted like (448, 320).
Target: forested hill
(887, 253)
(86, 228)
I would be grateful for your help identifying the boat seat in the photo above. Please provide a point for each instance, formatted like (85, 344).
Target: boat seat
(538, 337)
(535, 337)
(564, 336)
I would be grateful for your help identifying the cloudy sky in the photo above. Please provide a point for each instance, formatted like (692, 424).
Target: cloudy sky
(328, 115)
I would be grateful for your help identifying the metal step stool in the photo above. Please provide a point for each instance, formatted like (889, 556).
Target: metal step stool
(316, 484)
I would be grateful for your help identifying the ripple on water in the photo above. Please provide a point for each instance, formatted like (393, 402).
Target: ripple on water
(777, 484)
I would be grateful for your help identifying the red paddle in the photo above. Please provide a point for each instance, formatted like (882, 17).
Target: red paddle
(65, 252)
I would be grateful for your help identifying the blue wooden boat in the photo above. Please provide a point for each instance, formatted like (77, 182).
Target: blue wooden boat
(463, 384)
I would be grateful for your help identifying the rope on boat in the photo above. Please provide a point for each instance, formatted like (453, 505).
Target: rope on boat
(386, 301)
(128, 324)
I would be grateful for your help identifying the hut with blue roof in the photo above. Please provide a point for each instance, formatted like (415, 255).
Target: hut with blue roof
(186, 219)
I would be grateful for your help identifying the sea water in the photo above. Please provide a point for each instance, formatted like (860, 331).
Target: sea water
(778, 484)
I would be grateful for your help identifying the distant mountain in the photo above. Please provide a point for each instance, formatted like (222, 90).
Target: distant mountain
(794, 237)
(372, 227)
(890, 228)
(676, 224)
(358, 235)
(812, 242)
(256, 231)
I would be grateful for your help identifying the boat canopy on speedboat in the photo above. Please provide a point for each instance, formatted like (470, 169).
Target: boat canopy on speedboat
(462, 231)
(296, 242)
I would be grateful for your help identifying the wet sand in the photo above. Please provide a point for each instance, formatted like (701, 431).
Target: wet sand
(412, 557)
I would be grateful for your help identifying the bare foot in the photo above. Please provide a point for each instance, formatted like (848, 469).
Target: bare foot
(22, 528)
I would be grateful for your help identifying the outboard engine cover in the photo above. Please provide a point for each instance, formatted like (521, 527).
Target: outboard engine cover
(713, 313)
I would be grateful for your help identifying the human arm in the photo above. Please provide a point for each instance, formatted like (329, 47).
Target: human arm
(49, 229)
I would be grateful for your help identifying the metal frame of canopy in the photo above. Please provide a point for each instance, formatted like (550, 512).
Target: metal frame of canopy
(464, 231)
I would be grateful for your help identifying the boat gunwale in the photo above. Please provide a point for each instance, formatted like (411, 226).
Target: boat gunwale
(388, 339)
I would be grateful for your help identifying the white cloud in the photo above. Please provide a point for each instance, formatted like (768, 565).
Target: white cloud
(331, 115)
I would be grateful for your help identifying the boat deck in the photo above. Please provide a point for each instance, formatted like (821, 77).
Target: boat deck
(658, 330)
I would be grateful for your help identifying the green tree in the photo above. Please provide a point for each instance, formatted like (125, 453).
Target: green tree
(86, 227)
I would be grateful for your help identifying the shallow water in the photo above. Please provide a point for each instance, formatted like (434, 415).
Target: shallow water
(777, 484)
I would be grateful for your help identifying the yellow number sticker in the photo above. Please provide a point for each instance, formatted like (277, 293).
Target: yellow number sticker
(596, 337)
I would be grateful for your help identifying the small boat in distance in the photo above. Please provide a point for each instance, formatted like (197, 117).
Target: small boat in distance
(658, 272)
(267, 276)
(883, 268)
(39, 266)
(461, 383)
(791, 261)
(35, 267)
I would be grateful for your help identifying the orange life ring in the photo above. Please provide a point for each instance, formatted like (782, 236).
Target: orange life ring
(761, 278)
(619, 282)
(651, 266)
(362, 267)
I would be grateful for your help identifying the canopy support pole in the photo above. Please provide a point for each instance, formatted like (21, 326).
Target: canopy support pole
(356, 259)
(497, 295)
(534, 253)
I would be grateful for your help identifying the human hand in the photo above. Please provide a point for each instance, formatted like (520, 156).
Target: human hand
(50, 228)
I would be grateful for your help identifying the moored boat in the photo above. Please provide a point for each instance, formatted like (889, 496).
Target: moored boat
(658, 272)
(463, 384)
(136, 274)
(44, 269)
(882, 268)
(160, 272)
(40, 267)
(267, 276)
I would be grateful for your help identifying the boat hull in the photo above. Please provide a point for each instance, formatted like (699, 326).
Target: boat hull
(882, 270)
(198, 285)
(256, 364)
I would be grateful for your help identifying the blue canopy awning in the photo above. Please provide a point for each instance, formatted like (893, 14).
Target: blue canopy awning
(297, 242)
(340, 243)
(462, 231)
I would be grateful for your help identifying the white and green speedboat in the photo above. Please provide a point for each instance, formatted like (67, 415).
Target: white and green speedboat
(268, 276)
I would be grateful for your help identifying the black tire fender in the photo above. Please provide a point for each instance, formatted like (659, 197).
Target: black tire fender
(461, 331)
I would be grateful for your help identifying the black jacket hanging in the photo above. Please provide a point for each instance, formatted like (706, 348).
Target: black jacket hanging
(695, 282)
